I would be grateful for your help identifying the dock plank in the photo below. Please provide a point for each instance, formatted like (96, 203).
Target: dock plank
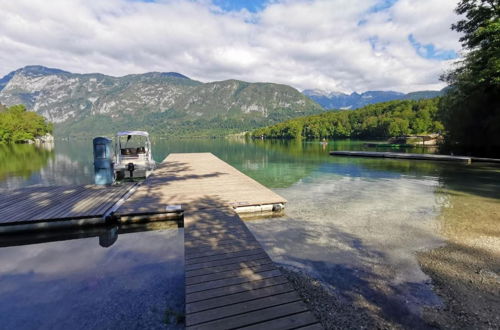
(300, 321)
(241, 308)
(227, 261)
(251, 318)
(223, 256)
(208, 304)
(233, 266)
(208, 250)
(230, 273)
(243, 278)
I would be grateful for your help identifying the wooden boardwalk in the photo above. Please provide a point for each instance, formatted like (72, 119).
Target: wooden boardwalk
(38, 206)
(231, 282)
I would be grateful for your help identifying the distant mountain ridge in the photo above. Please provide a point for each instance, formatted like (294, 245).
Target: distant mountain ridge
(161, 102)
(337, 100)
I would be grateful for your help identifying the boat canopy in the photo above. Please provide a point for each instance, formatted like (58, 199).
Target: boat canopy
(125, 133)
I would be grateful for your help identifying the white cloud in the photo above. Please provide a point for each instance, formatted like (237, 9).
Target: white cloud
(304, 43)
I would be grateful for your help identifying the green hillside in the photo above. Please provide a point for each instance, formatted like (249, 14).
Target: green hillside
(382, 120)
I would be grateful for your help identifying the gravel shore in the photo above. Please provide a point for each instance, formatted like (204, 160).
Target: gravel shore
(464, 273)
(331, 309)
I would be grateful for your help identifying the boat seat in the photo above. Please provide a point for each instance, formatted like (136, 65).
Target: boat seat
(129, 151)
(141, 150)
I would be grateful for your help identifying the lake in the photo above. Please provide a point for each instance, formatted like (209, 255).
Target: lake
(356, 224)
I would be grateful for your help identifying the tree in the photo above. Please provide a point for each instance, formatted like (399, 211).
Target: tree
(470, 111)
(19, 125)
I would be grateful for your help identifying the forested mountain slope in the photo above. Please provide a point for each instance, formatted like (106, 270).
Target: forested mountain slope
(162, 103)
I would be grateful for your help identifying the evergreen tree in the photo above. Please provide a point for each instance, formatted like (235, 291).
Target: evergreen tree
(471, 109)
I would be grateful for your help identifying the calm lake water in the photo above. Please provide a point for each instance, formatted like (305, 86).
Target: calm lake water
(354, 223)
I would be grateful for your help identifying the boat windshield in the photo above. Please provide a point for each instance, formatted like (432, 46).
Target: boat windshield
(132, 144)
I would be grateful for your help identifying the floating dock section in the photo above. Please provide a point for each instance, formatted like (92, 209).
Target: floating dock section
(402, 155)
(38, 208)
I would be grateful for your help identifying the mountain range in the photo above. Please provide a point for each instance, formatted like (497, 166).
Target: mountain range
(165, 103)
(336, 100)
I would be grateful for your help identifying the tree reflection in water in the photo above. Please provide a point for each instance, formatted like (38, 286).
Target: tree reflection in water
(22, 160)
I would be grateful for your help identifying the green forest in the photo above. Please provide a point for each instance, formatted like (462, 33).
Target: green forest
(381, 120)
(19, 125)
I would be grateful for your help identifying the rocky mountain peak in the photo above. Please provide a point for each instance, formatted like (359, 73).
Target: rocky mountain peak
(96, 103)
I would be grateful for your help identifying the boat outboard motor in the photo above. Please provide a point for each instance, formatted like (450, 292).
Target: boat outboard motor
(103, 161)
(131, 169)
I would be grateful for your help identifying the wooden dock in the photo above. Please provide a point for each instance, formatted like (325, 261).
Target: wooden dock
(231, 282)
(402, 155)
(194, 181)
(35, 208)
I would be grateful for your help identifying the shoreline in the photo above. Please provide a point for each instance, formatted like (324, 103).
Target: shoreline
(464, 273)
(331, 309)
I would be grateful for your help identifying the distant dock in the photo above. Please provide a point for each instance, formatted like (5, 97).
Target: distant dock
(401, 155)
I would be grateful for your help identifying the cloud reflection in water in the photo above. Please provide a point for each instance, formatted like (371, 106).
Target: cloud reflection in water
(79, 284)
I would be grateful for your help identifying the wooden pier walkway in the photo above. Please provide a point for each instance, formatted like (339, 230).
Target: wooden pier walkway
(34, 208)
(231, 282)
(402, 155)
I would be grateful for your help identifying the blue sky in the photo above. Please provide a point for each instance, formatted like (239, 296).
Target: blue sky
(383, 5)
(334, 45)
(236, 5)
(429, 51)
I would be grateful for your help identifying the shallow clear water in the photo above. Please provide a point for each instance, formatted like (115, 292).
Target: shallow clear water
(355, 223)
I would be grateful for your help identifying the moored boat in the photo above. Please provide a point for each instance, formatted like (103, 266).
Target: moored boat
(133, 155)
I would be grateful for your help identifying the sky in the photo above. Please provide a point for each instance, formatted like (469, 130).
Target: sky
(332, 45)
